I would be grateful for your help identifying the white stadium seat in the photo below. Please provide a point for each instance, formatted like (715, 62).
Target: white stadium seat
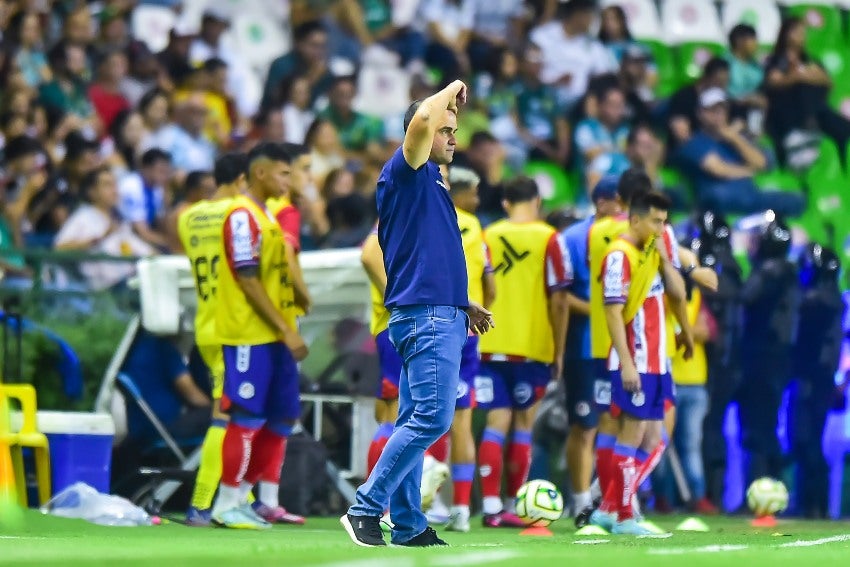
(687, 21)
(151, 24)
(642, 17)
(764, 16)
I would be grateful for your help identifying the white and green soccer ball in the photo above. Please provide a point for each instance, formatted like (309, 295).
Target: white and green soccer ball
(767, 496)
(539, 503)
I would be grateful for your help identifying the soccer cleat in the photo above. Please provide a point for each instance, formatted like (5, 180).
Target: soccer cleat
(583, 517)
(630, 527)
(365, 531)
(503, 520)
(428, 538)
(438, 513)
(604, 520)
(458, 520)
(277, 515)
(434, 474)
(197, 518)
(240, 519)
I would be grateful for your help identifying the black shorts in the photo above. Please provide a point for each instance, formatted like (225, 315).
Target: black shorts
(580, 378)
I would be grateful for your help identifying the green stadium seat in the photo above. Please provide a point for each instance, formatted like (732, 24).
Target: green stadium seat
(669, 78)
(823, 21)
(780, 180)
(694, 55)
(557, 188)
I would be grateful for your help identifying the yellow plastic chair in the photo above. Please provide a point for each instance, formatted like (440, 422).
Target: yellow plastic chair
(28, 436)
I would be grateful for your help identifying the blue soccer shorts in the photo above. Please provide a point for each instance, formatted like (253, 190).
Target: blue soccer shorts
(514, 385)
(646, 404)
(261, 380)
(470, 366)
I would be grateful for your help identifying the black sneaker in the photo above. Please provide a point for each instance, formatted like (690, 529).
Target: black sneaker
(428, 538)
(365, 531)
(583, 517)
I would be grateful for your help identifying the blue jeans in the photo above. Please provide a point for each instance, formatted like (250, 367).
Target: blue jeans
(430, 340)
(691, 408)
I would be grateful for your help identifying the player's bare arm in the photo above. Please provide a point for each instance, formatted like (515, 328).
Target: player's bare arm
(427, 120)
(559, 316)
(578, 305)
(703, 276)
(299, 287)
(260, 301)
(617, 329)
(488, 284)
(372, 259)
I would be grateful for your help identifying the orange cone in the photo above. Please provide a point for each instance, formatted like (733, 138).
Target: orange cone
(536, 532)
(764, 522)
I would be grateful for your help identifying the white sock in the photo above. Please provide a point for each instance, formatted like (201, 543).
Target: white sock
(581, 500)
(595, 489)
(269, 493)
(228, 498)
(509, 505)
(491, 505)
(244, 490)
(462, 510)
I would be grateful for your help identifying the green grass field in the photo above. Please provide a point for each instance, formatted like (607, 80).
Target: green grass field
(47, 540)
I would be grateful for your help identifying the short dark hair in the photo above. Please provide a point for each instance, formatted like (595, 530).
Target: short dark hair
(90, 179)
(154, 155)
(741, 32)
(267, 150)
(635, 129)
(295, 151)
(482, 137)
(214, 64)
(77, 145)
(714, 65)
(411, 111)
(150, 96)
(194, 178)
(572, 7)
(632, 182)
(521, 189)
(303, 30)
(229, 167)
(643, 202)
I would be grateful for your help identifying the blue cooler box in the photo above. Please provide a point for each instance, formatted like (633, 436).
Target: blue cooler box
(80, 447)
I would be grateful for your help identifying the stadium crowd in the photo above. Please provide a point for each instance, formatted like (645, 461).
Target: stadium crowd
(105, 141)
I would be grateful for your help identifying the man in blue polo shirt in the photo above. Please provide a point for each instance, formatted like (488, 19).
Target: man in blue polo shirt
(430, 315)
(578, 363)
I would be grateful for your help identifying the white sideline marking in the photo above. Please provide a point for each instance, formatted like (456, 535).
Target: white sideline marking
(705, 549)
(813, 542)
(591, 541)
(476, 558)
(395, 562)
(25, 537)
(655, 536)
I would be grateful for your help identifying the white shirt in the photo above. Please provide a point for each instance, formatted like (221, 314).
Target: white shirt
(133, 204)
(580, 56)
(187, 153)
(296, 122)
(451, 18)
(89, 222)
(492, 17)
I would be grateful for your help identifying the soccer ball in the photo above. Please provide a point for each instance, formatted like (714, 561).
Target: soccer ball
(539, 503)
(767, 496)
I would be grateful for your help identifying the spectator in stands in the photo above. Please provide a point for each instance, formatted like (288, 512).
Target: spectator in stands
(496, 26)
(209, 81)
(615, 36)
(154, 108)
(570, 55)
(68, 91)
(105, 93)
(746, 74)
(721, 161)
(308, 59)
(448, 24)
(27, 53)
(113, 30)
(23, 177)
(297, 111)
(636, 80)
(125, 137)
(495, 92)
(360, 135)
(78, 28)
(143, 199)
(174, 59)
(51, 207)
(267, 126)
(145, 74)
(184, 139)
(374, 22)
(208, 45)
(96, 227)
(601, 142)
(797, 87)
(684, 105)
(485, 156)
(542, 120)
(327, 152)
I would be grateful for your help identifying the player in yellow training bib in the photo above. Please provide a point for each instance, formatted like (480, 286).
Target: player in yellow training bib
(200, 228)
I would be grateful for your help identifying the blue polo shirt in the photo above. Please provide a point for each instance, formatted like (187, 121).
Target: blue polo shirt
(420, 238)
(578, 332)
